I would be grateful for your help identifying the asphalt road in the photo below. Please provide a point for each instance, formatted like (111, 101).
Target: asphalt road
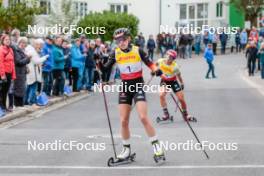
(229, 110)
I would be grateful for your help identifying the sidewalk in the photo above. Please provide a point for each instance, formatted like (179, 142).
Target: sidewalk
(26, 110)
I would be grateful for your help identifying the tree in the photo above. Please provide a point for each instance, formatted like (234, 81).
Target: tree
(251, 9)
(18, 15)
(63, 14)
(111, 21)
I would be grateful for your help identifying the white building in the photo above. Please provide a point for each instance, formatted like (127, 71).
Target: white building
(152, 13)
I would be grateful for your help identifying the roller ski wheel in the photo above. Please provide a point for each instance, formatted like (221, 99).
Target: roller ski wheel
(159, 158)
(158, 120)
(116, 162)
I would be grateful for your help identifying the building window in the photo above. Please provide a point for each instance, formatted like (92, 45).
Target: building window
(202, 10)
(193, 14)
(183, 11)
(45, 5)
(219, 9)
(81, 8)
(119, 8)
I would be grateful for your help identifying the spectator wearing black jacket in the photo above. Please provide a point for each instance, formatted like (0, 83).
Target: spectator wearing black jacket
(90, 66)
(183, 41)
(21, 61)
(223, 39)
(237, 40)
(151, 45)
(251, 54)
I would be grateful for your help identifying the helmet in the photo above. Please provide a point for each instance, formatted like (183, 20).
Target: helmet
(121, 32)
(172, 54)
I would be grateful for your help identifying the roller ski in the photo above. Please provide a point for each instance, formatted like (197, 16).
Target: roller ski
(125, 157)
(164, 119)
(191, 119)
(188, 117)
(159, 156)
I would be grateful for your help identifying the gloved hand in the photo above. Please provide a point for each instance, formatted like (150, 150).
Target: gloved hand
(158, 72)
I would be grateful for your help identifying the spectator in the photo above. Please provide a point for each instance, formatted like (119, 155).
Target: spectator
(206, 38)
(189, 45)
(237, 40)
(197, 43)
(67, 67)
(174, 42)
(77, 60)
(58, 67)
(90, 65)
(261, 57)
(251, 55)
(137, 41)
(169, 42)
(83, 44)
(21, 61)
(47, 66)
(104, 56)
(209, 57)
(254, 34)
(151, 47)
(232, 42)
(223, 39)
(183, 41)
(243, 39)
(7, 69)
(215, 39)
(141, 40)
(162, 44)
(34, 75)
(15, 35)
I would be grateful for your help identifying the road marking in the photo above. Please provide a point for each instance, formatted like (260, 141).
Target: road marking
(137, 167)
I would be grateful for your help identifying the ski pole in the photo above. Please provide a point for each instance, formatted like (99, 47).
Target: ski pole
(107, 114)
(188, 123)
(108, 119)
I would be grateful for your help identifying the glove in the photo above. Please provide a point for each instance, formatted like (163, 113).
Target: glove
(156, 73)
(182, 86)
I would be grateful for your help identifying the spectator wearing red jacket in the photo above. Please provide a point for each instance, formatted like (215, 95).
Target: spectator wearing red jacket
(7, 68)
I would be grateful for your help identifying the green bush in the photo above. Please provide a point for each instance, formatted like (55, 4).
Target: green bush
(111, 21)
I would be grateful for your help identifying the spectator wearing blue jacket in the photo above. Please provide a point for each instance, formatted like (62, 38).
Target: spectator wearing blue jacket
(151, 45)
(58, 67)
(243, 39)
(77, 60)
(47, 66)
(197, 43)
(261, 57)
(209, 57)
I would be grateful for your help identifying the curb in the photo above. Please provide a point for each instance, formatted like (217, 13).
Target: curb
(52, 102)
